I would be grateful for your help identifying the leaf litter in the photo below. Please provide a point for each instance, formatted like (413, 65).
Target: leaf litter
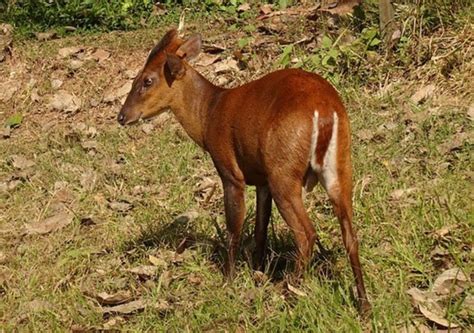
(449, 284)
(50, 224)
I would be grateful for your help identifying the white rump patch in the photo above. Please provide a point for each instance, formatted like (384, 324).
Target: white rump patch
(314, 142)
(328, 174)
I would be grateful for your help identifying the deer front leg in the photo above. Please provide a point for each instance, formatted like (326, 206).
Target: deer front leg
(234, 201)
(264, 210)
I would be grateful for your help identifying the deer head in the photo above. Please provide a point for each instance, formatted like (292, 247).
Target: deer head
(157, 86)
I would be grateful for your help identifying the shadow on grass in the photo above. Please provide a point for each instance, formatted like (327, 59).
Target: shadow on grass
(180, 234)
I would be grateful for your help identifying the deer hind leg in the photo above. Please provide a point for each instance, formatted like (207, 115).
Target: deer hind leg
(289, 201)
(336, 178)
(264, 210)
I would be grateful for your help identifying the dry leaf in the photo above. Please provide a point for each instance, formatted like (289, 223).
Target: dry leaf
(400, 193)
(38, 305)
(243, 7)
(115, 94)
(64, 101)
(56, 84)
(113, 322)
(341, 7)
(69, 51)
(7, 90)
(43, 36)
(5, 132)
(226, 65)
(130, 74)
(126, 308)
(147, 128)
(20, 162)
(260, 277)
(53, 223)
(88, 180)
(76, 328)
(3, 258)
(100, 55)
(433, 312)
(266, 9)
(296, 291)
(186, 217)
(205, 59)
(119, 297)
(120, 206)
(453, 143)
(470, 112)
(6, 41)
(157, 261)
(144, 271)
(423, 94)
(75, 64)
(451, 282)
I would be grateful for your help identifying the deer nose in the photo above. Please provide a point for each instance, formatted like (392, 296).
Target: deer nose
(121, 118)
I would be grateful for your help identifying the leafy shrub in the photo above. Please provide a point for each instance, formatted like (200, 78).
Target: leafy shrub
(82, 14)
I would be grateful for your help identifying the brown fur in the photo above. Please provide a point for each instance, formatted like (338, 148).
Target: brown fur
(257, 134)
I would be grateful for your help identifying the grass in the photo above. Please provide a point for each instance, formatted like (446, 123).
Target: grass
(47, 283)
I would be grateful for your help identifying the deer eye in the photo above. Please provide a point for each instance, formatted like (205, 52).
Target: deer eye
(147, 82)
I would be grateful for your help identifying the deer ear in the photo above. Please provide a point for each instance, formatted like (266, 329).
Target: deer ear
(174, 68)
(190, 48)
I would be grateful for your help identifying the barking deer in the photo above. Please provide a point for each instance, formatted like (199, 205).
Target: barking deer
(280, 133)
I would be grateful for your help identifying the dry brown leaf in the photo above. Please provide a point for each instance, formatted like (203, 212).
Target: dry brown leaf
(243, 7)
(64, 101)
(454, 142)
(5, 132)
(260, 277)
(341, 7)
(75, 64)
(451, 282)
(21, 162)
(76, 328)
(120, 206)
(226, 65)
(187, 217)
(266, 9)
(444, 231)
(113, 322)
(64, 195)
(148, 128)
(53, 223)
(115, 94)
(206, 59)
(423, 94)
(296, 291)
(3, 258)
(427, 303)
(88, 180)
(38, 305)
(100, 55)
(433, 312)
(43, 36)
(470, 112)
(155, 261)
(119, 297)
(144, 271)
(66, 52)
(126, 308)
(400, 193)
(7, 90)
(6, 41)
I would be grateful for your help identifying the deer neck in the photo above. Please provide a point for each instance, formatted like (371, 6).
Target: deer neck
(196, 98)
